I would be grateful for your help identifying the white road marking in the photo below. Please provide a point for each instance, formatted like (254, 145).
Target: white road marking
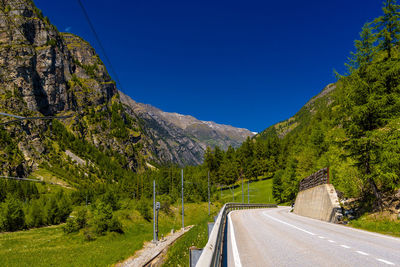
(288, 224)
(235, 251)
(329, 240)
(384, 261)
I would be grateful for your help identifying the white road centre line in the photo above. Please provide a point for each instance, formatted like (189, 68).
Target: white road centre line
(331, 241)
(385, 261)
(288, 224)
(235, 251)
(344, 246)
(362, 253)
(321, 237)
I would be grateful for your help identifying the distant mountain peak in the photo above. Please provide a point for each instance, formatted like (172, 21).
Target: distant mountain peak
(185, 133)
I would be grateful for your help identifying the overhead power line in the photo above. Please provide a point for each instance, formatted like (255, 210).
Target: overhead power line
(100, 44)
(19, 118)
(26, 179)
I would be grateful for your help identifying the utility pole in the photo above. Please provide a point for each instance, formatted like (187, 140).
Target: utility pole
(154, 212)
(183, 209)
(242, 192)
(248, 195)
(208, 193)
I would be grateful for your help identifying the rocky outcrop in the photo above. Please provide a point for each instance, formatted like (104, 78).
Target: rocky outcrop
(182, 138)
(44, 72)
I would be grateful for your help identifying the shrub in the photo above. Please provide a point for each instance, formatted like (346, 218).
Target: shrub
(81, 217)
(12, 217)
(71, 226)
(115, 225)
(144, 210)
(102, 216)
(89, 235)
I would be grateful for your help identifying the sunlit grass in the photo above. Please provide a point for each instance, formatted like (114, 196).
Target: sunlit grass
(379, 223)
(50, 246)
(259, 192)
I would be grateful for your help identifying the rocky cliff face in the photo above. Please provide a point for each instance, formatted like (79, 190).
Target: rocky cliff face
(44, 72)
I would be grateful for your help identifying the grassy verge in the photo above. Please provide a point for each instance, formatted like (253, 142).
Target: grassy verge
(378, 222)
(178, 254)
(260, 192)
(50, 246)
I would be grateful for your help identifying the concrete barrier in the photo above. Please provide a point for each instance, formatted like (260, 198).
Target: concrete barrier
(320, 202)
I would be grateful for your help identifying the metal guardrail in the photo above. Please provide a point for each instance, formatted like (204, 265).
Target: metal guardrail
(212, 252)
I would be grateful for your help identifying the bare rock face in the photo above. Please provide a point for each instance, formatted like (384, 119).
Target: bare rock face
(38, 62)
(34, 61)
(44, 72)
(182, 138)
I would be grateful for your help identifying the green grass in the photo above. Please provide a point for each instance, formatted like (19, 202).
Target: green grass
(378, 223)
(260, 192)
(50, 246)
(178, 254)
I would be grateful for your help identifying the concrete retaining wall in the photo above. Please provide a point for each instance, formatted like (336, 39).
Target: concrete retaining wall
(320, 202)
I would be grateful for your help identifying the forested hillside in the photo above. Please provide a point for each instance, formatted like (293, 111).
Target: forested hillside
(99, 153)
(352, 127)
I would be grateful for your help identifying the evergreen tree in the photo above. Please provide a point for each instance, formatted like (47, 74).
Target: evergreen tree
(388, 27)
(365, 49)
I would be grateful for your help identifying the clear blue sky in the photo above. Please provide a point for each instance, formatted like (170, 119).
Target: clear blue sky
(249, 64)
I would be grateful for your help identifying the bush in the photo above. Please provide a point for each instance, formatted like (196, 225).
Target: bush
(12, 217)
(81, 217)
(102, 217)
(71, 226)
(34, 214)
(115, 226)
(89, 235)
(144, 210)
(111, 198)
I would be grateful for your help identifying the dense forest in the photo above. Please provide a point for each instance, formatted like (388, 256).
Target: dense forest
(352, 127)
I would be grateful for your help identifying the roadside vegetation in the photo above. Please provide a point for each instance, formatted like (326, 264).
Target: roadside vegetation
(383, 223)
(50, 246)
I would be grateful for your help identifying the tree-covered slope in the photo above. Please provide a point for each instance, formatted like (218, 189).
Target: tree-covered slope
(352, 127)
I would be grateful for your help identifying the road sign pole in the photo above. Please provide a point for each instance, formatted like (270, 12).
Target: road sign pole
(242, 192)
(248, 195)
(154, 211)
(208, 193)
(183, 209)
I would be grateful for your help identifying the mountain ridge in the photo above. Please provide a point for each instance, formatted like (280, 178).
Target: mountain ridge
(196, 134)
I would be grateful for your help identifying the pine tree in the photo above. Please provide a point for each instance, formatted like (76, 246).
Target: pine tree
(365, 50)
(388, 27)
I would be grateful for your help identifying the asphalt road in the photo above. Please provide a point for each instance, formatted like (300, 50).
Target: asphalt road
(275, 237)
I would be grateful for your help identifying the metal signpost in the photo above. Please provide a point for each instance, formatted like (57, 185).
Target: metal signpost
(208, 193)
(242, 192)
(154, 212)
(157, 209)
(183, 209)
